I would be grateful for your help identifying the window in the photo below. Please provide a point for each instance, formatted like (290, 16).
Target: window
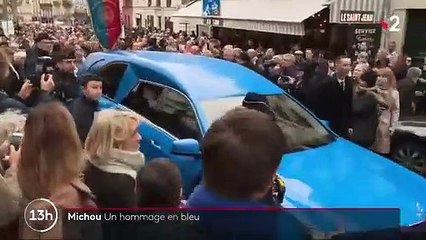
(158, 3)
(301, 128)
(169, 3)
(112, 74)
(159, 22)
(139, 22)
(149, 3)
(166, 108)
(168, 24)
(128, 3)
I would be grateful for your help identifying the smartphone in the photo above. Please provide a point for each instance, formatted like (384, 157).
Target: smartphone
(16, 139)
(35, 80)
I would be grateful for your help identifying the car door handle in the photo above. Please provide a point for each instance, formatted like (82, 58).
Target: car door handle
(155, 144)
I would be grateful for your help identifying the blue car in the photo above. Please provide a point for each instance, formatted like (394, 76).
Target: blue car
(181, 95)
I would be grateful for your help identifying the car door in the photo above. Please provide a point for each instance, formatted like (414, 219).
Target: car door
(164, 108)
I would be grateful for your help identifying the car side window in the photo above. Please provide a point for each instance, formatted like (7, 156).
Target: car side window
(166, 108)
(112, 75)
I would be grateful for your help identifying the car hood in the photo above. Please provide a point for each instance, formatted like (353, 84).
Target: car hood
(344, 175)
(414, 127)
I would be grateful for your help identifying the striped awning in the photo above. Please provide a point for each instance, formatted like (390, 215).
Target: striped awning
(288, 28)
(380, 8)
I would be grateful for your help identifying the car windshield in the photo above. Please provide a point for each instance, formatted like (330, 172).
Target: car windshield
(300, 127)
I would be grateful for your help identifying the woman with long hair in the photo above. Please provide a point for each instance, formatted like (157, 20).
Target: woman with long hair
(112, 148)
(389, 116)
(392, 88)
(50, 166)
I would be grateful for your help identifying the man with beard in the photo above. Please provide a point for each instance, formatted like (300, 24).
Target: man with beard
(67, 87)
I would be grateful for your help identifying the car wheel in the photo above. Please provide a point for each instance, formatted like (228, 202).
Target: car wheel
(410, 155)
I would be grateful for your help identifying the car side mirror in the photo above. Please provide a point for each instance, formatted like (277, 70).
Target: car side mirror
(186, 147)
(326, 123)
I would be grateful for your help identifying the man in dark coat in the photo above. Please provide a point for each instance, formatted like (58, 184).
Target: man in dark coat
(67, 87)
(83, 109)
(42, 47)
(335, 98)
(407, 89)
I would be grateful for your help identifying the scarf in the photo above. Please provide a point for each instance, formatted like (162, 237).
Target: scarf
(121, 162)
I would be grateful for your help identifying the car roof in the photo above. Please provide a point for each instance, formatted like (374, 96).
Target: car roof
(198, 76)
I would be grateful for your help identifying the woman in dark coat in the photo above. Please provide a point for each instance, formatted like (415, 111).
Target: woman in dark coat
(365, 110)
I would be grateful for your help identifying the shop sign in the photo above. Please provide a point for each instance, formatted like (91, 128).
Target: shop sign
(365, 38)
(356, 16)
(365, 34)
(214, 22)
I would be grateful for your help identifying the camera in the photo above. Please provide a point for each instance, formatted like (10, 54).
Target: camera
(44, 65)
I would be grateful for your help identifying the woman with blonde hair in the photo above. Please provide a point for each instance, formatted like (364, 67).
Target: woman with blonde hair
(112, 148)
(389, 116)
(392, 87)
(50, 162)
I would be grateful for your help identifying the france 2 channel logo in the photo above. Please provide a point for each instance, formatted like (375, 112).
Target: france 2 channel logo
(41, 215)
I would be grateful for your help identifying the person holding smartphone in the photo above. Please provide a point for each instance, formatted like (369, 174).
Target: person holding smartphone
(28, 95)
(11, 123)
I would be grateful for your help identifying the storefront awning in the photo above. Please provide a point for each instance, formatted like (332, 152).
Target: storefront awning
(380, 9)
(275, 16)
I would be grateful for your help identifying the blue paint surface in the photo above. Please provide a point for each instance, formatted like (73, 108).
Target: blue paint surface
(337, 175)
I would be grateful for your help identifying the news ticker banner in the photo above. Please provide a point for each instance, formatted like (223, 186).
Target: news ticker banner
(41, 216)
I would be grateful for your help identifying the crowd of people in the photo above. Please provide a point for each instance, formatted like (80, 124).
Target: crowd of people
(362, 96)
(77, 155)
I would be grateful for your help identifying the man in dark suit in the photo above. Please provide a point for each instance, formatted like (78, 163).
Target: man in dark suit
(335, 98)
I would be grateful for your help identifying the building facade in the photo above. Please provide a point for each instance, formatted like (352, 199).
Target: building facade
(407, 27)
(80, 10)
(25, 11)
(45, 11)
(150, 13)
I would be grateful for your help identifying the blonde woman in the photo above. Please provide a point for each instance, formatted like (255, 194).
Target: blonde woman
(392, 87)
(386, 94)
(359, 69)
(112, 148)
